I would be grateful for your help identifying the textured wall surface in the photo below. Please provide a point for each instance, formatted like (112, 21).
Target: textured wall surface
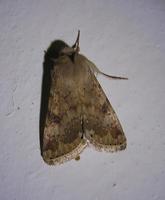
(123, 38)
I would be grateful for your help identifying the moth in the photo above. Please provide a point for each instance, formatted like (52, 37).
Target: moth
(75, 111)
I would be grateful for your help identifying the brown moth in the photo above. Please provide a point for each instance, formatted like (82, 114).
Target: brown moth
(75, 111)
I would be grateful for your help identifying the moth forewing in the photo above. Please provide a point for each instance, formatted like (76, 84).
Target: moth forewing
(77, 109)
(101, 125)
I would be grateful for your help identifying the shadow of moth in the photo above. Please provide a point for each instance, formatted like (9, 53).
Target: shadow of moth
(75, 111)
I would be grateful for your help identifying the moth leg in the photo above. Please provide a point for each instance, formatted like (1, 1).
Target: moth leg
(77, 158)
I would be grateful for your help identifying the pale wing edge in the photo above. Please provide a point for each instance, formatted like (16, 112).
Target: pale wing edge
(107, 148)
(68, 156)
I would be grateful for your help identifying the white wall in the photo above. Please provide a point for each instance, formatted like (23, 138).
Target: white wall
(122, 38)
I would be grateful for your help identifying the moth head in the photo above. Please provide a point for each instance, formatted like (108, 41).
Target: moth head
(56, 48)
(59, 48)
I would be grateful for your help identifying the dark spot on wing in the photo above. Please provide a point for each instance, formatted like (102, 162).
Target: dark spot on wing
(67, 95)
(104, 108)
(52, 145)
(99, 86)
(73, 107)
(107, 100)
(54, 118)
(69, 136)
(71, 133)
(115, 132)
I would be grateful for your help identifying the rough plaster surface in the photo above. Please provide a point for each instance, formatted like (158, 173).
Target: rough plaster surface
(122, 38)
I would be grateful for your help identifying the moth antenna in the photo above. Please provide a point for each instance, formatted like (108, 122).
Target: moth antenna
(76, 44)
(113, 77)
(95, 69)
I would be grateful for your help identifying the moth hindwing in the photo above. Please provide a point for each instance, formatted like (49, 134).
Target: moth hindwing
(74, 109)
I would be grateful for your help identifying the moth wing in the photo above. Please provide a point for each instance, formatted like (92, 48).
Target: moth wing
(100, 123)
(62, 136)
